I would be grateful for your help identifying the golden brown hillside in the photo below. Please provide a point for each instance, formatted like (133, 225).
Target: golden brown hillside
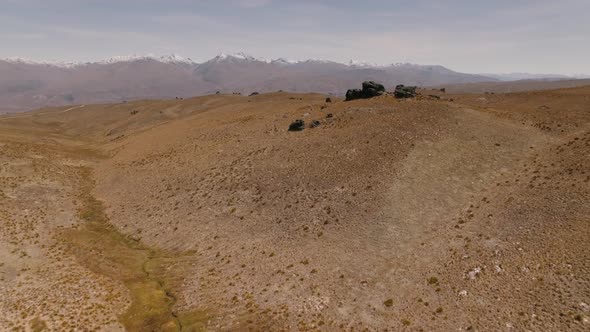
(206, 214)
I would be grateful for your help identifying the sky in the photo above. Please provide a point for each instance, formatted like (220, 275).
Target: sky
(499, 36)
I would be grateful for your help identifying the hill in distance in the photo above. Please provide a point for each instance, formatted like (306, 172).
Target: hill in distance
(26, 85)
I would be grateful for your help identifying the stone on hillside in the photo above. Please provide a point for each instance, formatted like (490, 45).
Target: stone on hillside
(297, 125)
(353, 94)
(370, 89)
(402, 91)
(372, 86)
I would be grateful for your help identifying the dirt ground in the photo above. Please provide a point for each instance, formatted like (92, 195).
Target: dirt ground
(206, 214)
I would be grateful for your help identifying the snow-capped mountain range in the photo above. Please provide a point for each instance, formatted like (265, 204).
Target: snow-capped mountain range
(172, 58)
(26, 84)
(242, 57)
(176, 59)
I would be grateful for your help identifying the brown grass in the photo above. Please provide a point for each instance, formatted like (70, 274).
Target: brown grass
(102, 249)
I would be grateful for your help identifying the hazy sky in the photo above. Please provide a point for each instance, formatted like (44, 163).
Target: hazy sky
(537, 36)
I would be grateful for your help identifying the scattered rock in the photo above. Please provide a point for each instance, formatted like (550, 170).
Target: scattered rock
(443, 90)
(402, 91)
(330, 115)
(498, 269)
(388, 302)
(370, 89)
(328, 100)
(434, 96)
(315, 123)
(297, 125)
(134, 112)
(473, 274)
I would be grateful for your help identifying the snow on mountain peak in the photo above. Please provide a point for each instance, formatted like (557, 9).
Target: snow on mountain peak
(283, 61)
(63, 64)
(239, 57)
(172, 58)
(244, 57)
(362, 64)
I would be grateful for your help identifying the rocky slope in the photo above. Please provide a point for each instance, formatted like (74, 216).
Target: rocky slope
(418, 214)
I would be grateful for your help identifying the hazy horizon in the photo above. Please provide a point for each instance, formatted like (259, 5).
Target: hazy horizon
(537, 37)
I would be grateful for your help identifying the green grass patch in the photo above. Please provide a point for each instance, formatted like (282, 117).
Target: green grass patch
(102, 249)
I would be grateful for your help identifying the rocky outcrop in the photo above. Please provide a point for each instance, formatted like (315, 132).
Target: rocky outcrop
(402, 91)
(370, 89)
(297, 125)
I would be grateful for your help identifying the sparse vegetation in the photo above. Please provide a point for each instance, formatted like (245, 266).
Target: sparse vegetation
(205, 213)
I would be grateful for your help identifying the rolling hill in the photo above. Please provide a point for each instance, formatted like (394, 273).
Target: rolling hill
(206, 213)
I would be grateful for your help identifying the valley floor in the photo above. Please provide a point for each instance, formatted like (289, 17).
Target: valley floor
(207, 214)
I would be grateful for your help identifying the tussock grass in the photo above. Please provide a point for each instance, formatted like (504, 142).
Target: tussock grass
(102, 249)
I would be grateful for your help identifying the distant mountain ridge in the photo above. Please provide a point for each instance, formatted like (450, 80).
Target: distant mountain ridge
(172, 58)
(177, 59)
(243, 57)
(526, 76)
(26, 84)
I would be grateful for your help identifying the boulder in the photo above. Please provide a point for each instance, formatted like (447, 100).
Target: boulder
(402, 91)
(328, 100)
(315, 123)
(297, 125)
(353, 94)
(370, 89)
